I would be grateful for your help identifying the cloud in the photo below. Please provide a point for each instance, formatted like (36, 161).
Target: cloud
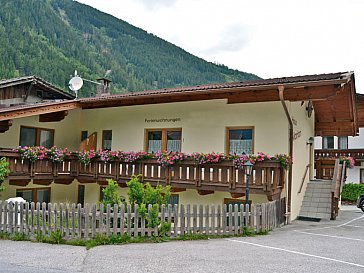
(231, 39)
(152, 4)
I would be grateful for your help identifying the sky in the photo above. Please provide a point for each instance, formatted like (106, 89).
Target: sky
(268, 38)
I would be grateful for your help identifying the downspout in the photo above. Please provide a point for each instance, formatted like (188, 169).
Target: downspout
(290, 151)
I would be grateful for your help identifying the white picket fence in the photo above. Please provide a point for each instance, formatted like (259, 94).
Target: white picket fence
(75, 221)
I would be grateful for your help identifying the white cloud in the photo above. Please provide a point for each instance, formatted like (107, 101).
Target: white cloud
(232, 39)
(268, 38)
(152, 4)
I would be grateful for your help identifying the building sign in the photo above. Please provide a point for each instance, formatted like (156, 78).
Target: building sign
(158, 120)
(297, 135)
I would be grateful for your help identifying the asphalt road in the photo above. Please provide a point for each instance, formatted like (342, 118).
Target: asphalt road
(329, 246)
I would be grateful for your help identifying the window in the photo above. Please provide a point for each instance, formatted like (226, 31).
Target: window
(84, 135)
(30, 136)
(173, 199)
(328, 142)
(343, 142)
(81, 194)
(35, 195)
(361, 176)
(106, 139)
(163, 140)
(239, 140)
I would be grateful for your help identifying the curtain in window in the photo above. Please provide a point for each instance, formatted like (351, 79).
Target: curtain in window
(46, 138)
(154, 146)
(173, 145)
(241, 146)
(328, 142)
(343, 142)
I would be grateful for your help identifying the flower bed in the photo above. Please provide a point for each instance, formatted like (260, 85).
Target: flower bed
(165, 159)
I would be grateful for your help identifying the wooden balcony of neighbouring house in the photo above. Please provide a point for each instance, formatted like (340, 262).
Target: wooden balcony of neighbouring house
(268, 177)
(325, 160)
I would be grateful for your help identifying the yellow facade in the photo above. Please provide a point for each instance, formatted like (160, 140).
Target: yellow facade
(203, 126)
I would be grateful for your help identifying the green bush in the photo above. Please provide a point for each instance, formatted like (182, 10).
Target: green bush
(351, 192)
(144, 195)
(111, 195)
(4, 171)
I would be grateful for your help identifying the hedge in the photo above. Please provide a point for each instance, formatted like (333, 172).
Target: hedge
(352, 191)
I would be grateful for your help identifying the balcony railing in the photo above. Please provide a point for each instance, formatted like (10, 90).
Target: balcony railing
(268, 177)
(357, 154)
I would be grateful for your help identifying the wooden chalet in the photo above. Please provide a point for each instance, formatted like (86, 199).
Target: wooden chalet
(275, 115)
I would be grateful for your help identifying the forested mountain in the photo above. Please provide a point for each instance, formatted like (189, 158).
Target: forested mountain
(52, 38)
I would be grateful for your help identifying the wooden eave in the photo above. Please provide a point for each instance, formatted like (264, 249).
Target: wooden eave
(38, 83)
(338, 115)
(360, 107)
(38, 109)
(246, 94)
(334, 100)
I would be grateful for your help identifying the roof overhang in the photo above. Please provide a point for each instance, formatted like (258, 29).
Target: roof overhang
(333, 97)
(38, 109)
(39, 84)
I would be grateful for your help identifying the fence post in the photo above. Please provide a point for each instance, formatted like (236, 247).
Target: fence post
(224, 215)
(11, 217)
(122, 219)
(73, 216)
(128, 219)
(163, 215)
(93, 221)
(188, 218)
(16, 216)
(175, 220)
(207, 219)
(195, 219)
(108, 215)
(49, 218)
(136, 219)
(182, 220)
(79, 214)
(32, 209)
(230, 219)
(21, 218)
(86, 212)
(61, 224)
(200, 218)
(67, 215)
(55, 217)
(115, 220)
(101, 219)
(44, 218)
(170, 219)
(213, 224)
(236, 219)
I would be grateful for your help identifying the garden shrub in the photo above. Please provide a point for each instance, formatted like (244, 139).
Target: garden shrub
(351, 192)
(111, 195)
(4, 171)
(144, 195)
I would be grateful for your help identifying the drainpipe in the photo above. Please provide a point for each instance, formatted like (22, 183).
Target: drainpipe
(290, 123)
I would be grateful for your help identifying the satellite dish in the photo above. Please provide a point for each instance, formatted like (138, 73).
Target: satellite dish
(75, 83)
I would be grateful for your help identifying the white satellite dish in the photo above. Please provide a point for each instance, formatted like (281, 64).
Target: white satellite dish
(75, 83)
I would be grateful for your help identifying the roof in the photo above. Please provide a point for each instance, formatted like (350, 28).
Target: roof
(221, 86)
(40, 83)
(333, 96)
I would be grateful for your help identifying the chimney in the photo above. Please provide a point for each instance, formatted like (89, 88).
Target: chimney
(102, 89)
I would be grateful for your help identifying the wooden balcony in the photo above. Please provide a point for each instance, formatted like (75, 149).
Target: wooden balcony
(357, 154)
(268, 177)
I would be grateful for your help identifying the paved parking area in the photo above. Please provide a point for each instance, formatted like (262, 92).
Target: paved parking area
(330, 246)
